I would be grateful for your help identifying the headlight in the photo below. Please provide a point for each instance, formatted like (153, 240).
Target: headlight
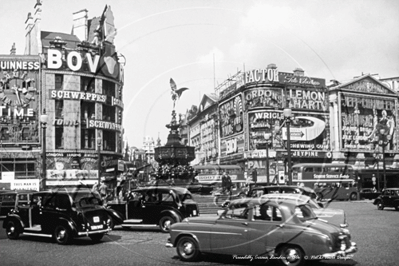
(345, 231)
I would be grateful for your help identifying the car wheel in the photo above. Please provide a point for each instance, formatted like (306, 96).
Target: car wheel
(187, 249)
(96, 237)
(165, 223)
(12, 230)
(380, 206)
(353, 196)
(291, 255)
(62, 235)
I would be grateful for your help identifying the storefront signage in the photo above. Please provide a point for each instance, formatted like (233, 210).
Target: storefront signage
(308, 99)
(77, 95)
(104, 125)
(368, 85)
(66, 123)
(117, 102)
(231, 114)
(261, 123)
(305, 128)
(25, 184)
(291, 78)
(325, 176)
(362, 118)
(232, 145)
(19, 64)
(262, 75)
(107, 64)
(263, 97)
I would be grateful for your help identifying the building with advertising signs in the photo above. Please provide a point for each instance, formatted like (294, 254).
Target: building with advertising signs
(77, 81)
(363, 111)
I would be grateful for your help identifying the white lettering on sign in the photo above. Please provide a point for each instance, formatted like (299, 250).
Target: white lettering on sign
(231, 146)
(74, 60)
(305, 99)
(77, 95)
(17, 113)
(263, 75)
(324, 176)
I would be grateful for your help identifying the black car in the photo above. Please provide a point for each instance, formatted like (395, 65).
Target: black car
(62, 215)
(368, 193)
(389, 198)
(156, 205)
(257, 190)
(11, 199)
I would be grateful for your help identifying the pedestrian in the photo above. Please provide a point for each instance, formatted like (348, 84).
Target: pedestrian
(95, 187)
(226, 183)
(255, 176)
(103, 189)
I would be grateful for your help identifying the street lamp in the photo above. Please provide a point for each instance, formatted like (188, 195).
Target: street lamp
(382, 141)
(43, 122)
(267, 139)
(99, 159)
(288, 115)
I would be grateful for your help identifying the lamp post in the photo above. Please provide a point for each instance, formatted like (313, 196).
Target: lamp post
(288, 114)
(43, 122)
(267, 138)
(382, 141)
(99, 160)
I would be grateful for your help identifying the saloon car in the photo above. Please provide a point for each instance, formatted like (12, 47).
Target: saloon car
(334, 216)
(389, 198)
(61, 215)
(161, 206)
(260, 227)
(259, 190)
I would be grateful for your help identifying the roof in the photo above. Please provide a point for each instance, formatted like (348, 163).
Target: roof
(70, 39)
(179, 190)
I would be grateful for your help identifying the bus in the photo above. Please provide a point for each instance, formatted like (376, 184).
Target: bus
(212, 173)
(335, 181)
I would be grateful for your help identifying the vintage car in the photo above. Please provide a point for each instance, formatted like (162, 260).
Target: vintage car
(161, 206)
(389, 198)
(334, 216)
(262, 228)
(368, 193)
(258, 190)
(62, 215)
(10, 199)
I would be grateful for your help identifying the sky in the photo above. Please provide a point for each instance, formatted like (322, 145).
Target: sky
(201, 43)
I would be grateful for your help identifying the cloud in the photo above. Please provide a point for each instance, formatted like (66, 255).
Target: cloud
(214, 55)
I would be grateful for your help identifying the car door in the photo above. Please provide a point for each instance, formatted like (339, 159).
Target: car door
(386, 198)
(264, 230)
(229, 235)
(136, 206)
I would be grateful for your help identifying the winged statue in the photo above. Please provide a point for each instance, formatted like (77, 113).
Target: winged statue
(176, 93)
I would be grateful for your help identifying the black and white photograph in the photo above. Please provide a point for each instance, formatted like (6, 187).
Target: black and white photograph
(201, 132)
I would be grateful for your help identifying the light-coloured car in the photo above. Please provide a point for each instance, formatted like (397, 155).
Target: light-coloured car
(284, 230)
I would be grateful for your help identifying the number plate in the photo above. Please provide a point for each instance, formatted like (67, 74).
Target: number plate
(194, 212)
(96, 219)
(95, 227)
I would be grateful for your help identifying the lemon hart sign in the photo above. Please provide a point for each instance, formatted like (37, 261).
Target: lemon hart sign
(105, 64)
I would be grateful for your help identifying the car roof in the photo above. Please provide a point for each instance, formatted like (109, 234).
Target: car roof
(287, 196)
(262, 200)
(179, 190)
(391, 188)
(16, 191)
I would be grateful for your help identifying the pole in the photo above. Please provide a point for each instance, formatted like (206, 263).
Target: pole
(99, 161)
(44, 126)
(289, 151)
(267, 164)
(383, 165)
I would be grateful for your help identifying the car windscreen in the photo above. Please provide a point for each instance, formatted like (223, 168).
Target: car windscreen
(185, 196)
(304, 212)
(86, 199)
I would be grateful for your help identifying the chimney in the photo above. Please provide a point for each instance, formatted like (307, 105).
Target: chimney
(299, 72)
(80, 24)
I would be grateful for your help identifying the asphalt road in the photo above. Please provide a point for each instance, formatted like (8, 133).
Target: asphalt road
(375, 232)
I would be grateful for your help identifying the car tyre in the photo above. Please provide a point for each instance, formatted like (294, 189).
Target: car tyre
(62, 235)
(353, 196)
(187, 249)
(380, 206)
(96, 237)
(291, 255)
(12, 230)
(165, 223)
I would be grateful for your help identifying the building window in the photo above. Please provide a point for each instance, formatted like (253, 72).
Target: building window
(88, 138)
(109, 138)
(108, 88)
(108, 113)
(87, 84)
(88, 110)
(59, 137)
(59, 109)
(59, 80)
(23, 169)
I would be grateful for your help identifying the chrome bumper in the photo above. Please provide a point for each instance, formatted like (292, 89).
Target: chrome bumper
(94, 232)
(342, 253)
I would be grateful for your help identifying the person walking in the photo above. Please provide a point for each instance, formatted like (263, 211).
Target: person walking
(226, 183)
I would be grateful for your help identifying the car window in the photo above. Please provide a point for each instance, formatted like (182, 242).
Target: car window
(237, 212)
(166, 197)
(304, 212)
(9, 198)
(265, 212)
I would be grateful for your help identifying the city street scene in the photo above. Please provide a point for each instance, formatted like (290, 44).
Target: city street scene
(199, 132)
